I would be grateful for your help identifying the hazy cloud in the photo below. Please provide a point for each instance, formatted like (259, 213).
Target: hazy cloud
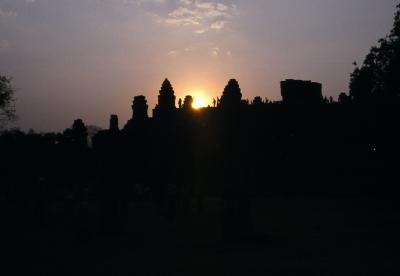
(172, 53)
(218, 25)
(215, 51)
(7, 13)
(200, 15)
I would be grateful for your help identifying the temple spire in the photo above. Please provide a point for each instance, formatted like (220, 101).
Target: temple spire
(166, 100)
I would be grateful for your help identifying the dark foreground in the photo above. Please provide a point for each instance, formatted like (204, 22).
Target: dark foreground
(292, 236)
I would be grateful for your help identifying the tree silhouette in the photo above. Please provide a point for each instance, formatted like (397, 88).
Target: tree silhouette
(377, 79)
(344, 98)
(7, 109)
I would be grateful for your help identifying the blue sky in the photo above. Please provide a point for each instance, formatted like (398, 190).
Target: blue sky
(88, 58)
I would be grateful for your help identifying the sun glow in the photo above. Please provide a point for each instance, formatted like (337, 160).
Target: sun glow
(199, 102)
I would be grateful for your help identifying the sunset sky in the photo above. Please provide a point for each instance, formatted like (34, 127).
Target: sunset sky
(87, 58)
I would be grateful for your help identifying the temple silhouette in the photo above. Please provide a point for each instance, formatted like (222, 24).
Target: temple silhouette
(292, 91)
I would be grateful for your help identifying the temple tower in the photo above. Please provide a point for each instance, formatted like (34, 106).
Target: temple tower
(166, 101)
(232, 95)
(140, 108)
(114, 127)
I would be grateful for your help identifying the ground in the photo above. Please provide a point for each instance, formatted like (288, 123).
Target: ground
(292, 236)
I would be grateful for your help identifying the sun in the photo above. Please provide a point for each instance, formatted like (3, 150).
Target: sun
(199, 102)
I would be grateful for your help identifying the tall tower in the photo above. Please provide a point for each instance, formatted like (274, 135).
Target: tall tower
(114, 127)
(139, 113)
(232, 95)
(187, 103)
(140, 108)
(166, 101)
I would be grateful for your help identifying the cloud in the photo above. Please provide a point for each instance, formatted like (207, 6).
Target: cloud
(172, 53)
(215, 51)
(218, 25)
(199, 15)
(140, 2)
(4, 13)
(186, 2)
(11, 12)
(201, 31)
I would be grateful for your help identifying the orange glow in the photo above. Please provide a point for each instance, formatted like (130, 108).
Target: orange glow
(199, 102)
(202, 87)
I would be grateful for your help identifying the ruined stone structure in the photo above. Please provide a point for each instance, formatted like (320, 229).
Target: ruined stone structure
(301, 92)
(114, 126)
(139, 112)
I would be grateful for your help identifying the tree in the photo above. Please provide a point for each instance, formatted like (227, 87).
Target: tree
(7, 108)
(377, 79)
(343, 98)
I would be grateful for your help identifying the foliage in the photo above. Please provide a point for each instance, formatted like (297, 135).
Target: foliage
(7, 109)
(344, 98)
(377, 79)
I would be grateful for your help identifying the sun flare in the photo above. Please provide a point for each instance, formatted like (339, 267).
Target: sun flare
(199, 102)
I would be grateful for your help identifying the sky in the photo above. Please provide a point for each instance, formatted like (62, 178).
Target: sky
(88, 58)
